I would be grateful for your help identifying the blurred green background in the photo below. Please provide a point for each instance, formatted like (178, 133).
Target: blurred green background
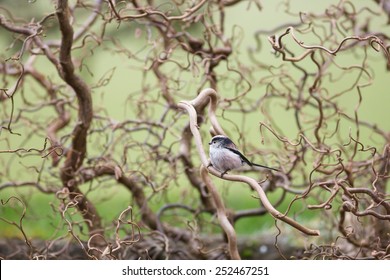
(127, 78)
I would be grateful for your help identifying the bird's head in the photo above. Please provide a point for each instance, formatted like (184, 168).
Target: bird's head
(219, 141)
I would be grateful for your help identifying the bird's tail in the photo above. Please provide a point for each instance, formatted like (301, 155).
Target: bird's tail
(263, 166)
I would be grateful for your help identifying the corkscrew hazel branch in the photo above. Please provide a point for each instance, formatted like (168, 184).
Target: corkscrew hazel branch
(210, 95)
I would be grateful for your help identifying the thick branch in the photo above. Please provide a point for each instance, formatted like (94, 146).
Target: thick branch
(77, 152)
(209, 94)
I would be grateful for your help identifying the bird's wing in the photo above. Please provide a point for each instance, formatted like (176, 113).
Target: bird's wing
(229, 144)
(243, 158)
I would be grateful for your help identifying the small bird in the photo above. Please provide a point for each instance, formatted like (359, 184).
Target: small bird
(225, 156)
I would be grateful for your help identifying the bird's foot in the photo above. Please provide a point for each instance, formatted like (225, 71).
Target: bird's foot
(225, 172)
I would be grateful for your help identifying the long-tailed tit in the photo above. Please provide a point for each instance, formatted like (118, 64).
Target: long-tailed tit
(225, 156)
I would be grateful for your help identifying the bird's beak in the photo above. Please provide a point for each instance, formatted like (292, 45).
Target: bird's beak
(209, 143)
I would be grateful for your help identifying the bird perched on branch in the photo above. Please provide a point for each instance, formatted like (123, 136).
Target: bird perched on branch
(225, 156)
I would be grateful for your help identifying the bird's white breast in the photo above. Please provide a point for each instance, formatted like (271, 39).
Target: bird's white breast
(223, 159)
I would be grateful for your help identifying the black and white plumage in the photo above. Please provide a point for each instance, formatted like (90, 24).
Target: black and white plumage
(225, 156)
